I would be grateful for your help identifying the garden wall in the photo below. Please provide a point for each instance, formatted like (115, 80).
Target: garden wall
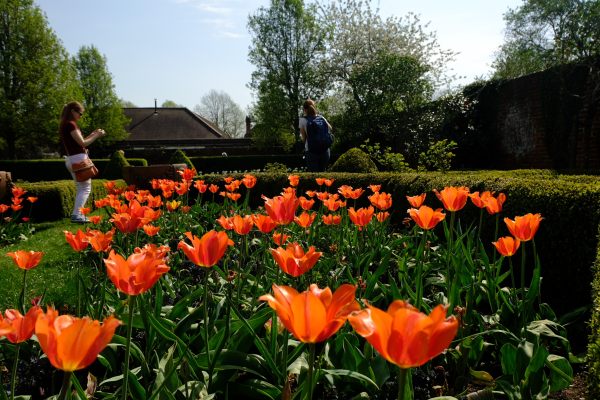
(549, 119)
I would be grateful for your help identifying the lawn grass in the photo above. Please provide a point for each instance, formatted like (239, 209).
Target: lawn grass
(54, 277)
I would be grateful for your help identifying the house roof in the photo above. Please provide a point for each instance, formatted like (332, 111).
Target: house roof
(150, 124)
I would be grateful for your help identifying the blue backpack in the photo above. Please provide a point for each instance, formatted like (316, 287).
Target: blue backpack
(317, 134)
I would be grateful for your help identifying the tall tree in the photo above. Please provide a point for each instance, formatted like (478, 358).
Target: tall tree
(220, 109)
(170, 104)
(544, 33)
(103, 107)
(36, 80)
(287, 46)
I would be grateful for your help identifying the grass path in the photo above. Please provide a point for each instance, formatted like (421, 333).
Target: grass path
(53, 277)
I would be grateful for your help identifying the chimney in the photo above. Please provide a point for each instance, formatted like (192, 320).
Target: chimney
(155, 107)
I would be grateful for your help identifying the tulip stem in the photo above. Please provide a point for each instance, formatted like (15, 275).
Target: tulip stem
(131, 301)
(309, 375)
(523, 285)
(66, 385)
(206, 341)
(420, 251)
(402, 381)
(22, 297)
(13, 379)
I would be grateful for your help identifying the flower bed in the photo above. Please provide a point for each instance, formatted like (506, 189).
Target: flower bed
(216, 298)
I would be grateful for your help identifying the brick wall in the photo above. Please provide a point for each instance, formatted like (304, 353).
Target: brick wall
(548, 119)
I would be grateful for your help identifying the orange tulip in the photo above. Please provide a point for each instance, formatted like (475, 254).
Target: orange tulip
(507, 245)
(213, 188)
(32, 199)
(95, 219)
(18, 192)
(382, 216)
(225, 222)
(425, 217)
(233, 196)
(362, 216)
(314, 315)
(294, 180)
(453, 198)
(305, 203)
(493, 205)
(249, 181)
(208, 250)
(151, 230)
(16, 327)
(403, 335)
(524, 227)
(293, 260)
(331, 219)
(332, 203)
(26, 259)
(479, 200)
(3, 208)
(375, 188)
(264, 223)
(280, 238)
(138, 273)
(187, 174)
(85, 210)
(305, 219)
(416, 201)
(242, 225)
(72, 343)
(99, 240)
(78, 241)
(282, 209)
(381, 200)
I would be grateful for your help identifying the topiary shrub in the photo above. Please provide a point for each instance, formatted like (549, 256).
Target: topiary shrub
(354, 160)
(114, 168)
(179, 157)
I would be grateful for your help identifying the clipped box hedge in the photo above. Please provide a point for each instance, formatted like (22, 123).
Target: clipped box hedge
(594, 339)
(51, 169)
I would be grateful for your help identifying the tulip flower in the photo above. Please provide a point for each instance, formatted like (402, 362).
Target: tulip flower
(73, 343)
(331, 219)
(282, 209)
(382, 216)
(425, 217)
(305, 203)
(293, 260)
(264, 223)
(242, 225)
(314, 315)
(99, 240)
(208, 250)
(416, 201)
(294, 180)
(375, 188)
(151, 230)
(187, 174)
(16, 327)
(95, 219)
(136, 274)
(26, 259)
(524, 227)
(493, 205)
(403, 335)
(249, 181)
(507, 245)
(78, 241)
(32, 199)
(3, 208)
(305, 219)
(479, 200)
(279, 238)
(453, 198)
(362, 216)
(381, 200)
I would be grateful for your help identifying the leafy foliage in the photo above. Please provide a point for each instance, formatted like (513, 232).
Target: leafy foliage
(114, 168)
(385, 158)
(179, 157)
(439, 156)
(541, 34)
(103, 107)
(36, 80)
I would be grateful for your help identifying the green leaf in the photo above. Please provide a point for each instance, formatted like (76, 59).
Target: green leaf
(508, 359)
(561, 372)
(351, 374)
(136, 389)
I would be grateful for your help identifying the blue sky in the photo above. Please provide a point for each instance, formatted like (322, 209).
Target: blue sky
(180, 49)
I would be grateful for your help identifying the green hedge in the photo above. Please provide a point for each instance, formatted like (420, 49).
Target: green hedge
(594, 339)
(56, 198)
(51, 169)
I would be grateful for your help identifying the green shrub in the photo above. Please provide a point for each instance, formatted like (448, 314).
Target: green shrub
(179, 157)
(384, 158)
(275, 167)
(253, 162)
(114, 168)
(354, 160)
(593, 354)
(438, 156)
